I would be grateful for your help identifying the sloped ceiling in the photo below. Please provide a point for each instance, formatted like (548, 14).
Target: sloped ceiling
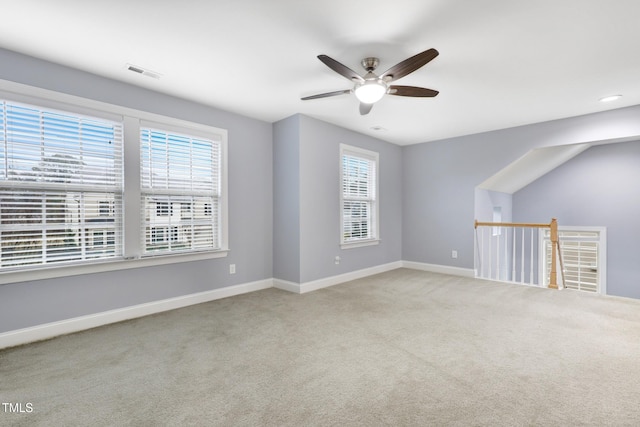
(537, 163)
(531, 166)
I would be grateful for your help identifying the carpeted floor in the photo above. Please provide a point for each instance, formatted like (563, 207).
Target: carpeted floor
(403, 348)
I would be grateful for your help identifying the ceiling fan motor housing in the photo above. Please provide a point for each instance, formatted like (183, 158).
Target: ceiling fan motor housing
(370, 63)
(370, 88)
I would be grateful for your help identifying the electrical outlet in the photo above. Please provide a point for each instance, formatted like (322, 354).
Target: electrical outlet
(232, 269)
(454, 254)
(337, 260)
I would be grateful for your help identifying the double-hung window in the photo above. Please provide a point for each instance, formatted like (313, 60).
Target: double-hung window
(358, 196)
(88, 187)
(181, 191)
(58, 171)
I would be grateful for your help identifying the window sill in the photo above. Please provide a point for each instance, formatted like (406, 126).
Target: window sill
(360, 244)
(99, 267)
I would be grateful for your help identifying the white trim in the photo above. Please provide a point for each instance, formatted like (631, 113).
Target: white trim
(602, 254)
(99, 267)
(436, 268)
(372, 156)
(360, 244)
(346, 277)
(301, 288)
(286, 285)
(131, 119)
(325, 282)
(68, 326)
(27, 93)
(50, 330)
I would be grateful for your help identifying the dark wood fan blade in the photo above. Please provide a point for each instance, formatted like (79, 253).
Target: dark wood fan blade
(414, 91)
(409, 65)
(341, 69)
(365, 108)
(326, 95)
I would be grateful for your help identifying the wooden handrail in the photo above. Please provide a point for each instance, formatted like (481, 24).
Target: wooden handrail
(553, 234)
(511, 224)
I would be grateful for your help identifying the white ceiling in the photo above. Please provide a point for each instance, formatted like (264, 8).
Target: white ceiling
(502, 63)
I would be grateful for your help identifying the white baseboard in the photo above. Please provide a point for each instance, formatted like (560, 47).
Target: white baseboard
(314, 285)
(50, 330)
(346, 277)
(301, 288)
(436, 268)
(286, 285)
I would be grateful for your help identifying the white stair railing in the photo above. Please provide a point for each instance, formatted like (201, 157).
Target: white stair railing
(507, 252)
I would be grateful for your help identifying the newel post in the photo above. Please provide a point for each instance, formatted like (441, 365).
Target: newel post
(553, 283)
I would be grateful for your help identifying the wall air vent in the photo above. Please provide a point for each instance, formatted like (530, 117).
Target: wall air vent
(143, 71)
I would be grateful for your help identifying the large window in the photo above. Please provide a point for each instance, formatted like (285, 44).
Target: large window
(183, 171)
(359, 187)
(60, 187)
(87, 186)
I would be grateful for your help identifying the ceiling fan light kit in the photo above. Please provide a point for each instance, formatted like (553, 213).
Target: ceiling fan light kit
(370, 91)
(371, 88)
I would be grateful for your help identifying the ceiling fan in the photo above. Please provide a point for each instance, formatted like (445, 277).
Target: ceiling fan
(370, 88)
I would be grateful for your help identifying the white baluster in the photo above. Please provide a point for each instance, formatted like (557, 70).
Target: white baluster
(522, 260)
(531, 270)
(506, 253)
(490, 253)
(513, 255)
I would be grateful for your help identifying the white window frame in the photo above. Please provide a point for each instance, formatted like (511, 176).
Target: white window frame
(78, 199)
(131, 119)
(164, 185)
(497, 217)
(374, 157)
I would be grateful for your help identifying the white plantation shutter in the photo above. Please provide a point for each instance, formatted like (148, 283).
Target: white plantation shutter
(358, 195)
(181, 191)
(61, 186)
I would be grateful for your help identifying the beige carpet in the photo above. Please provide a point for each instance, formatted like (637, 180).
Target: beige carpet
(403, 348)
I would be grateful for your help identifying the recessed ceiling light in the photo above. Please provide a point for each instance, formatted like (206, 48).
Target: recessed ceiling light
(610, 98)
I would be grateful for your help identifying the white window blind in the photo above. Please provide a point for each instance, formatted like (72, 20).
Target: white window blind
(181, 192)
(358, 195)
(60, 187)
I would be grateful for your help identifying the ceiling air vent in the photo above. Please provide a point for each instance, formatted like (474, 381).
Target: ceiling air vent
(143, 71)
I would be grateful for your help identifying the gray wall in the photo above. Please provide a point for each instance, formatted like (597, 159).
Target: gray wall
(320, 197)
(439, 178)
(286, 199)
(486, 200)
(250, 209)
(599, 187)
(426, 199)
(307, 224)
